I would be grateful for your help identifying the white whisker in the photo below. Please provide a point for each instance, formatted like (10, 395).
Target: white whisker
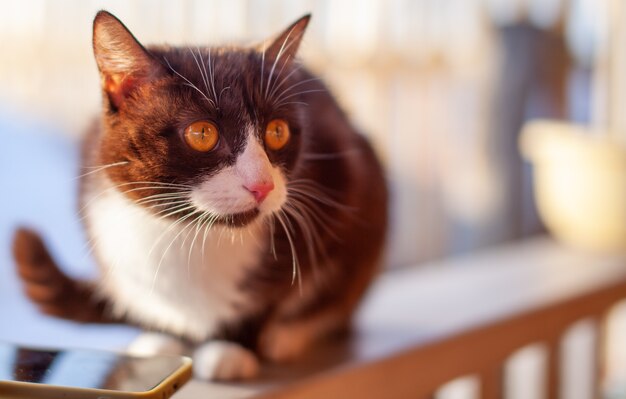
(280, 53)
(330, 155)
(291, 102)
(294, 257)
(309, 236)
(200, 220)
(283, 80)
(197, 223)
(263, 68)
(282, 101)
(189, 83)
(212, 80)
(219, 98)
(205, 79)
(208, 225)
(176, 211)
(100, 168)
(179, 221)
(316, 219)
(293, 86)
(175, 195)
(324, 199)
(152, 186)
(280, 71)
(172, 205)
(315, 206)
(272, 227)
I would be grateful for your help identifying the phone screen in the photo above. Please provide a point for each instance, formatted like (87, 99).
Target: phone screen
(85, 368)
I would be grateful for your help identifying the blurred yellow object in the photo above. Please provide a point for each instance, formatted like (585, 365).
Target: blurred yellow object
(579, 182)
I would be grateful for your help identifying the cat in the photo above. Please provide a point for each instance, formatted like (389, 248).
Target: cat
(232, 208)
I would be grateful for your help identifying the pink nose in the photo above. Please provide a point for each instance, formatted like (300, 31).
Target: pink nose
(260, 190)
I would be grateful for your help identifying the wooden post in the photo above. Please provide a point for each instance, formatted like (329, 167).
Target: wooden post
(492, 383)
(553, 377)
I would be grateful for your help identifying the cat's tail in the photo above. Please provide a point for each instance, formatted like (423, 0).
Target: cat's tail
(51, 290)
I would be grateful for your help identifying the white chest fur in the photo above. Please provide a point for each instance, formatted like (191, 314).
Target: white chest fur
(159, 274)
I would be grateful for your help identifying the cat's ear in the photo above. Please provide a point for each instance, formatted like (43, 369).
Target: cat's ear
(123, 62)
(285, 46)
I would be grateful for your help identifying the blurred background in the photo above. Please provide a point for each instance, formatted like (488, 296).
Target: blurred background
(441, 87)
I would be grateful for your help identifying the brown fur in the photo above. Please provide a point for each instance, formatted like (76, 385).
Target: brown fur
(48, 287)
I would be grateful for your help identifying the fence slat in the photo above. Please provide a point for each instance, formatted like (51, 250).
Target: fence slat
(553, 371)
(491, 383)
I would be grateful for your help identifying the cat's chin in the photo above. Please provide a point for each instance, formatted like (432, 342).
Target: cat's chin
(241, 219)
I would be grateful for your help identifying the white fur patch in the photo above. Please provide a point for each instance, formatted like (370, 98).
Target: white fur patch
(225, 361)
(154, 274)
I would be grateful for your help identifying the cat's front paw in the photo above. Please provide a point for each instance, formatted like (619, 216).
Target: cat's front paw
(224, 361)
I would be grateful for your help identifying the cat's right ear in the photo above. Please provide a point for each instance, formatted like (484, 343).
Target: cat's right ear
(123, 62)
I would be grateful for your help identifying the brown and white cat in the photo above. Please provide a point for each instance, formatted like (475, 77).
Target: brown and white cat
(228, 200)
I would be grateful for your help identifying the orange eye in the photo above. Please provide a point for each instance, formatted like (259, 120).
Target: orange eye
(201, 136)
(277, 134)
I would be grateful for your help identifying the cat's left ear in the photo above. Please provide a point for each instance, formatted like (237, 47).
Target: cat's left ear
(123, 62)
(285, 46)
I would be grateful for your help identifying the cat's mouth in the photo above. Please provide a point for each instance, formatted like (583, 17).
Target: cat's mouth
(240, 219)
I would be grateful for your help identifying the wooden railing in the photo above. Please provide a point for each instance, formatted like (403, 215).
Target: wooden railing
(419, 372)
(425, 327)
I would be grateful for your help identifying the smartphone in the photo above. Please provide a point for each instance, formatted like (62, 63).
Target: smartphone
(27, 372)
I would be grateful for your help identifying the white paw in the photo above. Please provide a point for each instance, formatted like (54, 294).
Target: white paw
(224, 361)
(151, 343)
(282, 343)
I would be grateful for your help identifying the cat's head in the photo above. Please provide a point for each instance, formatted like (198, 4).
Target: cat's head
(212, 131)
